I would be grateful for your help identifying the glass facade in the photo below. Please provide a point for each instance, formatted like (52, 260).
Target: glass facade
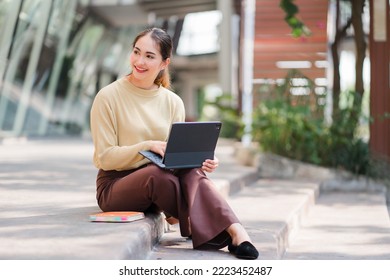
(54, 57)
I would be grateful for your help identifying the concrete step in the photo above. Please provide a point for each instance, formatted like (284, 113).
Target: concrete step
(270, 210)
(68, 235)
(47, 191)
(300, 220)
(344, 226)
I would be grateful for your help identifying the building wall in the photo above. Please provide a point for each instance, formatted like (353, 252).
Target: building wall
(52, 63)
(380, 77)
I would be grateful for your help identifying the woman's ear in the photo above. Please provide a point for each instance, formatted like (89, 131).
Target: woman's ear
(166, 63)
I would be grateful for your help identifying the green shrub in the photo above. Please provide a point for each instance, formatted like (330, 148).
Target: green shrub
(294, 127)
(288, 131)
(232, 125)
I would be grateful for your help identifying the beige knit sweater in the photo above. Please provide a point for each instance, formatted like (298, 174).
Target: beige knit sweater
(124, 120)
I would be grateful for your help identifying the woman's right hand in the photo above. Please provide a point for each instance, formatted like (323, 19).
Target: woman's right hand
(158, 147)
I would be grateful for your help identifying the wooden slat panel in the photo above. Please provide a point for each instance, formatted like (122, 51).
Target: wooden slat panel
(281, 73)
(289, 56)
(264, 67)
(283, 49)
(273, 40)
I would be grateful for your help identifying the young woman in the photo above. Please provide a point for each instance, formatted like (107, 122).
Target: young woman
(135, 113)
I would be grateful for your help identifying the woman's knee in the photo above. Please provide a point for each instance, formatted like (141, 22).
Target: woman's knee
(161, 177)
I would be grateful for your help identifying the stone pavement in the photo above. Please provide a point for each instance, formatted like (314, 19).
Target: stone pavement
(47, 190)
(344, 226)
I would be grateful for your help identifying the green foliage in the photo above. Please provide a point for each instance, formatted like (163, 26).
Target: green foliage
(293, 126)
(289, 125)
(223, 110)
(286, 130)
(232, 126)
(298, 28)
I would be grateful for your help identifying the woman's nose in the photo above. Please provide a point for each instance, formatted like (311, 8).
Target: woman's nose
(141, 60)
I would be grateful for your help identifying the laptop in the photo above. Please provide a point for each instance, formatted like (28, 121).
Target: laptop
(189, 144)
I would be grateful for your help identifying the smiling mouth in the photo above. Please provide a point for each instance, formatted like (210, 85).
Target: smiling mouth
(140, 70)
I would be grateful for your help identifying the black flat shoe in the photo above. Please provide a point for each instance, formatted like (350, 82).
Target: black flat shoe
(244, 251)
(217, 243)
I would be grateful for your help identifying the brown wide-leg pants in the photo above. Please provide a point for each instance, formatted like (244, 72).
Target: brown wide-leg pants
(186, 194)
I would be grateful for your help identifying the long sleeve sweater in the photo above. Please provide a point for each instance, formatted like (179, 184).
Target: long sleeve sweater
(125, 119)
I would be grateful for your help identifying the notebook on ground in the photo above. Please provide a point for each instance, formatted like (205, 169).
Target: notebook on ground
(117, 216)
(189, 145)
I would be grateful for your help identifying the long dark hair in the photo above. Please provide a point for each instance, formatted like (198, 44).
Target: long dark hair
(164, 41)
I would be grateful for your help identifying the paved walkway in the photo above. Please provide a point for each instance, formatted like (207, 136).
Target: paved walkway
(344, 225)
(47, 190)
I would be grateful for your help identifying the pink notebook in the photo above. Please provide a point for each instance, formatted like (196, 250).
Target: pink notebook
(117, 216)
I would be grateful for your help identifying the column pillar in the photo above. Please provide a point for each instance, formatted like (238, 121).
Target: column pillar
(380, 77)
(225, 51)
(247, 70)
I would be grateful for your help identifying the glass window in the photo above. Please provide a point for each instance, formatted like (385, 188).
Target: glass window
(200, 33)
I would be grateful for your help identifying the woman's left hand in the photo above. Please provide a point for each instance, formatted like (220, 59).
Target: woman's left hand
(209, 165)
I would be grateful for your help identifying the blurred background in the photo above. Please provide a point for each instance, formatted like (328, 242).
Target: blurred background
(303, 78)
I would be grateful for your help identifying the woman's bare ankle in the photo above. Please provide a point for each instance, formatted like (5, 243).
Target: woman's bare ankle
(238, 234)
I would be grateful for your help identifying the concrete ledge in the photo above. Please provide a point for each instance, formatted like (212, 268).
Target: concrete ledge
(141, 241)
(272, 211)
(276, 208)
(48, 191)
(274, 166)
(283, 206)
(68, 234)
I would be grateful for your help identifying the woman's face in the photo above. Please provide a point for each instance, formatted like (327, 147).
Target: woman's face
(146, 60)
